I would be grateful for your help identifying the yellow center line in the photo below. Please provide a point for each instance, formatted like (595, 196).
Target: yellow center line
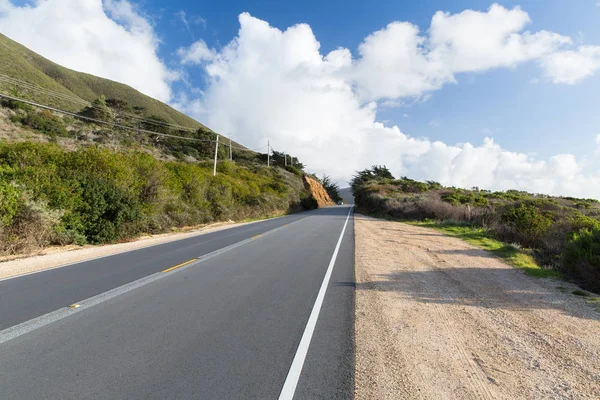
(180, 265)
(259, 235)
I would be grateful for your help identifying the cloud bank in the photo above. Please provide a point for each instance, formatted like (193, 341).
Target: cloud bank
(268, 83)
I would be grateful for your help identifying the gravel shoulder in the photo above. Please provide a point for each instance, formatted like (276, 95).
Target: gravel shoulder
(54, 257)
(439, 319)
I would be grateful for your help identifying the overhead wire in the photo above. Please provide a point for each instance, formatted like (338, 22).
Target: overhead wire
(77, 100)
(124, 126)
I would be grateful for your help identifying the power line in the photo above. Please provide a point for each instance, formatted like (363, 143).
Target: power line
(100, 121)
(77, 100)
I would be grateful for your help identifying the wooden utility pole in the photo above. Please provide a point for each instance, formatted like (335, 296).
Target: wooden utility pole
(268, 153)
(230, 149)
(216, 152)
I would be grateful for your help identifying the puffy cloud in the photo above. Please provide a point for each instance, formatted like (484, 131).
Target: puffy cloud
(399, 61)
(394, 62)
(273, 84)
(104, 38)
(572, 66)
(477, 41)
(197, 53)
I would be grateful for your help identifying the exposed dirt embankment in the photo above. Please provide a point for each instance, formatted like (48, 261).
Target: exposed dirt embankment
(439, 319)
(318, 192)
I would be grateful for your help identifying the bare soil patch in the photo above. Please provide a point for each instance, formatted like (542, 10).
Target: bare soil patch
(439, 319)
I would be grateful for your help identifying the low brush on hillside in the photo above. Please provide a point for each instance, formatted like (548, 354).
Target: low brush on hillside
(52, 196)
(561, 233)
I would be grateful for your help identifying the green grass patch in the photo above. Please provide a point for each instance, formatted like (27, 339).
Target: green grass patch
(479, 237)
(580, 293)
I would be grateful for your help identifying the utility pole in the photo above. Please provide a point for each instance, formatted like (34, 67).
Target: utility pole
(216, 152)
(230, 149)
(285, 158)
(268, 153)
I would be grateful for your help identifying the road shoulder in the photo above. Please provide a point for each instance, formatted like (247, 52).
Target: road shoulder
(62, 256)
(438, 318)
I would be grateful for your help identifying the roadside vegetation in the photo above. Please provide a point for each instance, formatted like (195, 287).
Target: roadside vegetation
(332, 189)
(52, 196)
(544, 235)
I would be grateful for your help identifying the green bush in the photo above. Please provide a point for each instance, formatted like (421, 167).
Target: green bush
(530, 224)
(10, 203)
(98, 110)
(45, 122)
(104, 196)
(458, 197)
(15, 105)
(581, 259)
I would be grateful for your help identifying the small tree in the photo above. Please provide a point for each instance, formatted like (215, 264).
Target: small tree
(99, 110)
(331, 188)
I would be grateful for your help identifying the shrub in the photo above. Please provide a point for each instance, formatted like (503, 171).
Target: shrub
(45, 122)
(10, 203)
(528, 223)
(15, 105)
(307, 201)
(581, 258)
(96, 195)
(98, 110)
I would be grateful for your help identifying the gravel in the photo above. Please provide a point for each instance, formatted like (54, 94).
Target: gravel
(439, 319)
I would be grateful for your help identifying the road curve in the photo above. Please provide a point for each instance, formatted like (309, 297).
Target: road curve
(225, 323)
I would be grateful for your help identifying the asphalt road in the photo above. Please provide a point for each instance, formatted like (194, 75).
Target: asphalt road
(257, 309)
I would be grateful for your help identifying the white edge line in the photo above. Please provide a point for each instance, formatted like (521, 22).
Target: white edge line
(200, 233)
(291, 381)
(43, 320)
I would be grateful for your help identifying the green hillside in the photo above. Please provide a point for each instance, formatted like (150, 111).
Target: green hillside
(19, 62)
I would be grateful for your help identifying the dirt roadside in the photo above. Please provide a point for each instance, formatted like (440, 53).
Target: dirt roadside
(59, 256)
(439, 319)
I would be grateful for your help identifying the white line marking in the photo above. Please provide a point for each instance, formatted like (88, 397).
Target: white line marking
(199, 233)
(43, 320)
(291, 381)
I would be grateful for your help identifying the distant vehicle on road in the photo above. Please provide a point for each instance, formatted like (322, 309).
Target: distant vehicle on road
(340, 203)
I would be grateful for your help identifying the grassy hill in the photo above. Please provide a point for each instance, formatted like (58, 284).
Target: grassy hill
(542, 234)
(19, 62)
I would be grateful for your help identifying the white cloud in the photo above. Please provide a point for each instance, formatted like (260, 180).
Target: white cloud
(400, 61)
(272, 84)
(108, 39)
(477, 41)
(197, 53)
(572, 66)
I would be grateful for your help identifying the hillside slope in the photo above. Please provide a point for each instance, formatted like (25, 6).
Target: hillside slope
(17, 61)
(318, 192)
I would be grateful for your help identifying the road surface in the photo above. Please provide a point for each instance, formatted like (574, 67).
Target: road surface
(261, 311)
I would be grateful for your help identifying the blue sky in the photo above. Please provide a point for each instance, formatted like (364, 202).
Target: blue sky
(528, 117)
(498, 95)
